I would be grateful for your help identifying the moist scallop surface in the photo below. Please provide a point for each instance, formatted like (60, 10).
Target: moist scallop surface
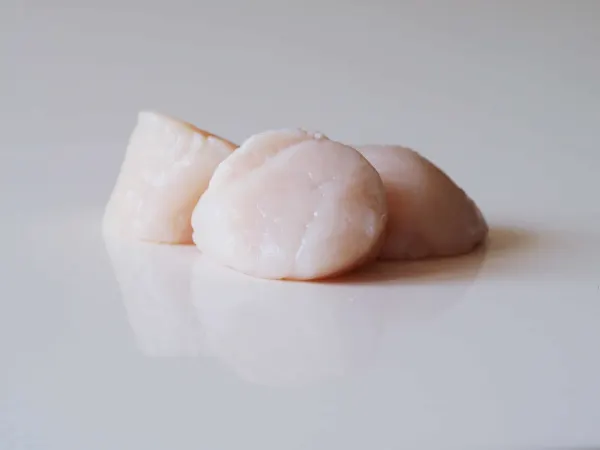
(289, 204)
(429, 215)
(168, 165)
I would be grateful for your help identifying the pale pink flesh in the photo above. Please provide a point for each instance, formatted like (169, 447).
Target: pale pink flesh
(289, 204)
(167, 167)
(429, 215)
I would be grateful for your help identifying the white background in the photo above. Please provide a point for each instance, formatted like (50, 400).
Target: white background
(499, 349)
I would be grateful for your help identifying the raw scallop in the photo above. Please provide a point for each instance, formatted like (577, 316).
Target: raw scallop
(292, 205)
(429, 215)
(167, 167)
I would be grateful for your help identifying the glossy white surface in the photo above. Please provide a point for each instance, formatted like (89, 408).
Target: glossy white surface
(106, 345)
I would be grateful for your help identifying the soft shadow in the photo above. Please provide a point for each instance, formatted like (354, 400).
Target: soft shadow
(502, 240)
(459, 268)
(507, 239)
(533, 254)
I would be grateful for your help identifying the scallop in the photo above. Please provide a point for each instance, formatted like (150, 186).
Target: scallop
(167, 167)
(290, 204)
(429, 215)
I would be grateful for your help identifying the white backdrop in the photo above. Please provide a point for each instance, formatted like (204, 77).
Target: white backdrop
(502, 94)
(442, 76)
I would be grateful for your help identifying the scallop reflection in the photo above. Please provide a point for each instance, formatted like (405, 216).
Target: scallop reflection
(285, 333)
(280, 333)
(155, 286)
